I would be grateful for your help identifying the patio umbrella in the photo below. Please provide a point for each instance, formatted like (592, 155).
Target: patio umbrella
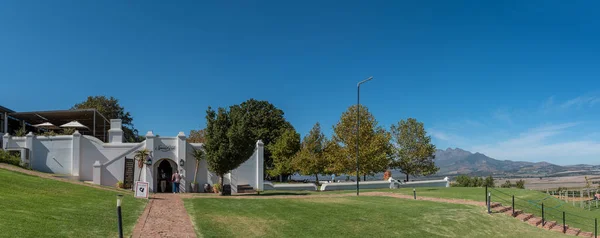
(46, 125)
(74, 124)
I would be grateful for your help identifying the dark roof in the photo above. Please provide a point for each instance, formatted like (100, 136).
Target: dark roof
(4, 109)
(60, 117)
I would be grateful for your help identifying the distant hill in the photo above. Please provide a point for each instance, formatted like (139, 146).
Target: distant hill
(458, 161)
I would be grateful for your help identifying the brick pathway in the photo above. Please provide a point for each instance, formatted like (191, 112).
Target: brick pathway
(164, 216)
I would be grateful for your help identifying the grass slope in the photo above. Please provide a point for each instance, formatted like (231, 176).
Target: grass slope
(528, 200)
(35, 207)
(350, 217)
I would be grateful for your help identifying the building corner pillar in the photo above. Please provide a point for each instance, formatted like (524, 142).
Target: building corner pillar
(76, 153)
(260, 174)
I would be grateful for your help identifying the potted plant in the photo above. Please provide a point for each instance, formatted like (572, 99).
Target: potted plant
(198, 155)
(217, 188)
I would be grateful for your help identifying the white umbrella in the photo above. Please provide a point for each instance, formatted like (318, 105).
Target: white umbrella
(74, 124)
(46, 125)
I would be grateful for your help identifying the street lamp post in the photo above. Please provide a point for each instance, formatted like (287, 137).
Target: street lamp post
(119, 217)
(358, 128)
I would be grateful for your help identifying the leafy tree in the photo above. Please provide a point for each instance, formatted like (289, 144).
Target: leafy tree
(413, 149)
(506, 184)
(463, 181)
(283, 151)
(141, 156)
(489, 181)
(266, 123)
(374, 145)
(111, 109)
(520, 184)
(312, 158)
(588, 183)
(197, 136)
(229, 142)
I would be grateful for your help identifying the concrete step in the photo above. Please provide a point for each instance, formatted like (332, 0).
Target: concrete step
(524, 216)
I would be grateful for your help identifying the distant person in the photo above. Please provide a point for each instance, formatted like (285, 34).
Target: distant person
(597, 196)
(176, 178)
(163, 181)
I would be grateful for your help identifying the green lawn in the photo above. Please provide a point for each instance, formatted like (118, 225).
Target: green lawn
(350, 217)
(35, 207)
(528, 200)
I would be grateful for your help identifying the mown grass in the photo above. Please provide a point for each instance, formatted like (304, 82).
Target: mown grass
(35, 207)
(349, 217)
(529, 201)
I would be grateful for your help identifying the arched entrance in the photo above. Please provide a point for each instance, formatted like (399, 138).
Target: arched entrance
(164, 168)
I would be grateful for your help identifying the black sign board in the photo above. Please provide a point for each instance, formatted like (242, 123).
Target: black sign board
(128, 178)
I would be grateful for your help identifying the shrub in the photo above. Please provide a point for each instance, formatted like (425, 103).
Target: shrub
(7, 158)
(521, 184)
(120, 184)
(217, 188)
(506, 184)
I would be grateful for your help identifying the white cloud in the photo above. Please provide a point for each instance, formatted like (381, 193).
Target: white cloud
(534, 145)
(439, 135)
(578, 102)
(502, 115)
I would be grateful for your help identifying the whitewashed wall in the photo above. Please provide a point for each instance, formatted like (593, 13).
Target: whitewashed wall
(52, 154)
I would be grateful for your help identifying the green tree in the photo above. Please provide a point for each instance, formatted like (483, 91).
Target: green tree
(463, 181)
(520, 184)
(506, 184)
(312, 158)
(414, 153)
(489, 181)
(111, 109)
(374, 145)
(196, 136)
(229, 142)
(283, 151)
(266, 123)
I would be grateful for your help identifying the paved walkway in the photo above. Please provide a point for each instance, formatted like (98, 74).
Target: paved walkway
(164, 216)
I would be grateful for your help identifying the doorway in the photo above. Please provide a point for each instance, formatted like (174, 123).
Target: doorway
(164, 171)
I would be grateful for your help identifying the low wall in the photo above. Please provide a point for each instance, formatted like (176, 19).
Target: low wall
(384, 184)
(290, 187)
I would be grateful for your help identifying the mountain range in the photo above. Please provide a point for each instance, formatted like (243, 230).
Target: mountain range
(458, 161)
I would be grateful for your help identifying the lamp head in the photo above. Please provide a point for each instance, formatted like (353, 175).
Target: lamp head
(119, 199)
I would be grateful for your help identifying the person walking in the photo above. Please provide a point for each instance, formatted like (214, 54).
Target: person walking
(176, 178)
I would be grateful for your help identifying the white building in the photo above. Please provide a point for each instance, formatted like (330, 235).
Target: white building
(87, 158)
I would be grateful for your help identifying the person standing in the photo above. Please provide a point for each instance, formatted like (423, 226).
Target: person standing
(163, 181)
(176, 178)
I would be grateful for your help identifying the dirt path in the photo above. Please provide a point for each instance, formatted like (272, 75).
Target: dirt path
(164, 216)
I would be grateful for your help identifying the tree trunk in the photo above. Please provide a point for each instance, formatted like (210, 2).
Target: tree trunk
(407, 177)
(364, 177)
(221, 183)
(280, 178)
(196, 171)
(140, 174)
(317, 176)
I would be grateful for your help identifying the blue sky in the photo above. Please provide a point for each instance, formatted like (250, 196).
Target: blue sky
(512, 79)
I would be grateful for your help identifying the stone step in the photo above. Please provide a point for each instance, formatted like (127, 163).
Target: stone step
(549, 225)
(559, 228)
(573, 231)
(502, 209)
(524, 216)
(510, 212)
(586, 234)
(536, 221)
